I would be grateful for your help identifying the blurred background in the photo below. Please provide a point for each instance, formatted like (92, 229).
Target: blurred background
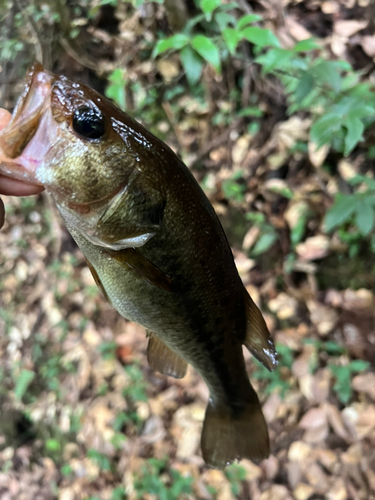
(272, 106)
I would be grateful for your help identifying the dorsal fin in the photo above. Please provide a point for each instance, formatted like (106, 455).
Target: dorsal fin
(162, 359)
(258, 339)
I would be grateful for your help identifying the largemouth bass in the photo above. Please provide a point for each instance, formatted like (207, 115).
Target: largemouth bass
(153, 243)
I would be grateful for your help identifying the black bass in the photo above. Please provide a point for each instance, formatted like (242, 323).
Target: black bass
(153, 243)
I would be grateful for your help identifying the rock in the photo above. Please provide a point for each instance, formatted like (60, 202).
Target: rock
(299, 451)
(303, 491)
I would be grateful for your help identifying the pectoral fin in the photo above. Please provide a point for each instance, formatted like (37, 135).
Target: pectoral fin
(163, 360)
(99, 284)
(258, 339)
(134, 260)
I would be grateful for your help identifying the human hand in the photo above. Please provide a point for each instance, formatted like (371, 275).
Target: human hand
(12, 187)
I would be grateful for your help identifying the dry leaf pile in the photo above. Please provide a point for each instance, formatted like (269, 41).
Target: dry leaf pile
(81, 414)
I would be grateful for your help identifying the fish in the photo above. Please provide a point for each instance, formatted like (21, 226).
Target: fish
(153, 243)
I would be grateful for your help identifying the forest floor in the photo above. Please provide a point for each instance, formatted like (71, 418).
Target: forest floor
(83, 417)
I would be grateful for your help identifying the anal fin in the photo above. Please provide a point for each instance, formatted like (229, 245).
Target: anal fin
(258, 339)
(162, 359)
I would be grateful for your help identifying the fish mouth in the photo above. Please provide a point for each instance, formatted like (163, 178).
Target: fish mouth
(17, 160)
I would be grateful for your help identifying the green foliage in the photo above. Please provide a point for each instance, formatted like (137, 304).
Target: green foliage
(116, 90)
(268, 234)
(235, 474)
(356, 210)
(278, 379)
(162, 482)
(136, 389)
(108, 349)
(23, 381)
(226, 34)
(340, 105)
(234, 188)
(343, 375)
(100, 459)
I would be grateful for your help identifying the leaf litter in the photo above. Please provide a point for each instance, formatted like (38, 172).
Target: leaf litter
(81, 414)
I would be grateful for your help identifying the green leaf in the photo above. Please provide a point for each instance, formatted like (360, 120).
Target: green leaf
(248, 19)
(23, 381)
(306, 45)
(274, 58)
(208, 6)
(223, 19)
(355, 130)
(323, 129)
(364, 217)
(175, 42)
(192, 64)
(359, 365)
(327, 72)
(251, 111)
(260, 36)
(231, 37)
(340, 212)
(342, 386)
(208, 50)
(53, 445)
(264, 243)
(305, 86)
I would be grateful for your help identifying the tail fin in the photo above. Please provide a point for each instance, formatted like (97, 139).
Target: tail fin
(227, 436)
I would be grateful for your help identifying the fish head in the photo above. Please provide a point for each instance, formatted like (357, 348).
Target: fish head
(71, 140)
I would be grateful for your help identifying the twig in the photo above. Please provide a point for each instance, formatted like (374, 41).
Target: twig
(170, 116)
(83, 60)
(34, 31)
(245, 6)
(218, 141)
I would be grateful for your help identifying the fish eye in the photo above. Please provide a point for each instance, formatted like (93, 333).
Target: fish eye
(88, 122)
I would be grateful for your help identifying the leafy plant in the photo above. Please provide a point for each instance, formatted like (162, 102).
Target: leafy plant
(234, 188)
(227, 33)
(235, 474)
(343, 374)
(22, 383)
(101, 460)
(116, 90)
(268, 234)
(165, 483)
(355, 209)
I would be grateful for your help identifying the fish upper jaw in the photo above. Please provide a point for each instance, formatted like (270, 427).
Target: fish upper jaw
(29, 135)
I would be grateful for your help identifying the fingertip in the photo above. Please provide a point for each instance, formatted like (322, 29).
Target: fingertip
(5, 117)
(2, 213)
(12, 187)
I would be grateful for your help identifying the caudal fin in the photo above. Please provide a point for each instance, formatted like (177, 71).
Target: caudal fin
(229, 435)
